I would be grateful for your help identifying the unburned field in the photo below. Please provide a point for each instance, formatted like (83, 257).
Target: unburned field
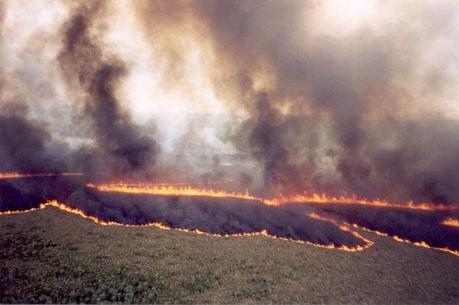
(53, 256)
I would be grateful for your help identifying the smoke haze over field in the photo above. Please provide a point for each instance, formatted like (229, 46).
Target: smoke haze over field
(280, 96)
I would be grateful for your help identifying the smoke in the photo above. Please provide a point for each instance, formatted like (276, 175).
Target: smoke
(281, 97)
(23, 148)
(2, 16)
(348, 78)
(268, 144)
(278, 97)
(95, 77)
(366, 86)
(24, 144)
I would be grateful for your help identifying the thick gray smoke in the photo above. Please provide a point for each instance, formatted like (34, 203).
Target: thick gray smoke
(94, 76)
(365, 87)
(358, 111)
(24, 144)
(348, 78)
(308, 96)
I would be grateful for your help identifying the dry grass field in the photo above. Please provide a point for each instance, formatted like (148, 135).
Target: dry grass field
(51, 256)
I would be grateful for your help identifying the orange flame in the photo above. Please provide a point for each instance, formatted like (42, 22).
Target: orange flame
(422, 244)
(15, 175)
(451, 222)
(169, 190)
(327, 199)
(162, 189)
(66, 208)
(172, 190)
(21, 211)
(344, 227)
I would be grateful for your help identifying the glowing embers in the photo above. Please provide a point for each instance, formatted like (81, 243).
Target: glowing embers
(15, 175)
(360, 244)
(451, 222)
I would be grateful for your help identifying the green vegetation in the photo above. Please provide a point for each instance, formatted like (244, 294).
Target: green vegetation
(54, 257)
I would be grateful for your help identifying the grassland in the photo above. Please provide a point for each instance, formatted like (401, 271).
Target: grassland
(51, 256)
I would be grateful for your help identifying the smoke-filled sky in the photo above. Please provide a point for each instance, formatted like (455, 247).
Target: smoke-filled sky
(343, 97)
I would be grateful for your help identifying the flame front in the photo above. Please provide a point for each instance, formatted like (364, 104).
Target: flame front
(422, 244)
(172, 190)
(327, 199)
(66, 208)
(344, 227)
(314, 198)
(16, 175)
(451, 222)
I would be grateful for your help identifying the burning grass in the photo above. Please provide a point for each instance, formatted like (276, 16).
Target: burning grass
(174, 190)
(365, 243)
(343, 226)
(324, 200)
(233, 223)
(16, 175)
(451, 222)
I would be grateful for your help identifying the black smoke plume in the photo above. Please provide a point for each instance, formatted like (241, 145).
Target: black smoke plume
(361, 89)
(339, 113)
(335, 112)
(121, 146)
(24, 143)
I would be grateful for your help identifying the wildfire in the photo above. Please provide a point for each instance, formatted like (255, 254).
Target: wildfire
(178, 190)
(21, 211)
(451, 222)
(327, 199)
(169, 190)
(173, 190)
(191, 184)
(344, 227)
(66, 208)
(422, 244)
(181, 189)
(15, 175)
